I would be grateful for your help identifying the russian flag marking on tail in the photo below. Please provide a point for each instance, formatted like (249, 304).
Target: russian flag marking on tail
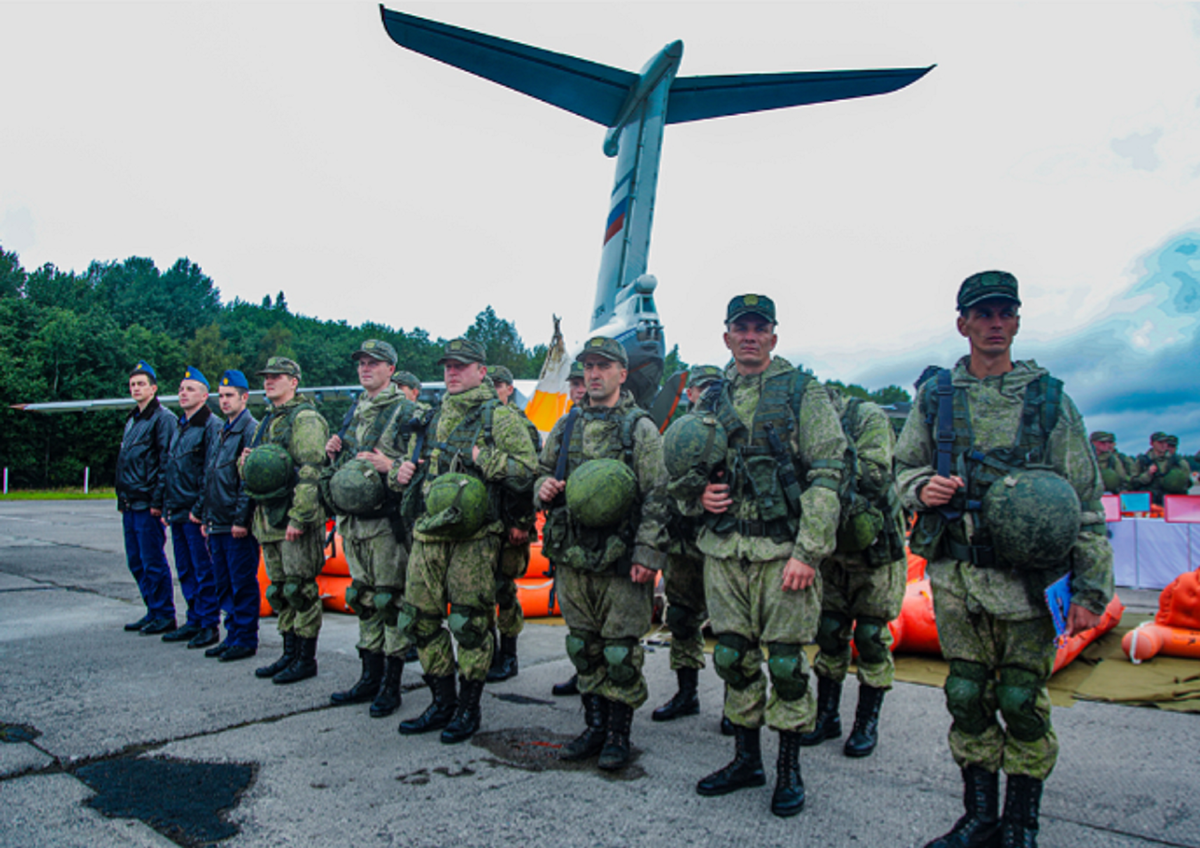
(616, 219)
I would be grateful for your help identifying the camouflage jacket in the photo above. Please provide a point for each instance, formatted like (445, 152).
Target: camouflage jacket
(996, 404)
(602, 439)
(1143, 478)
(1116, 470)
(309, 434)
(816, 438)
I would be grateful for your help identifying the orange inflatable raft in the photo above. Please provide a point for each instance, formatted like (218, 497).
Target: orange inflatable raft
(1175, 631)
(335, 566)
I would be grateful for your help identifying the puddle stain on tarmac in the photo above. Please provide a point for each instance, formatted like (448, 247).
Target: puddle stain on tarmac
(18, 732)
(536, 749)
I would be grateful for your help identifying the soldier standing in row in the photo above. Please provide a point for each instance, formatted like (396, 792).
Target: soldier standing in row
(140, 486)
(194, 440)
(227, 511)
(409, 386)
(361, 486)
(607, 539)
(1115, 467)
(992, 553)
(281, 474)
(1160, 471)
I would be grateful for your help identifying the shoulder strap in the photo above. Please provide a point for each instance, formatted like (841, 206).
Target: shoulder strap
(629, 423)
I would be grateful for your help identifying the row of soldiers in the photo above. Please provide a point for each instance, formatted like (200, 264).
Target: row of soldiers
(775, 509)
(1159, 471)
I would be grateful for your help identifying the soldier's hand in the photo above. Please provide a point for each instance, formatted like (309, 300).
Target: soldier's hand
(245, 453)
(1153, 469)
(939, 490)
(204, 531)
(797, 575)
(405, 472)
(334, 446)
(382, 464)
(475, 453)
(239, 532)
(551, 490)
(157, 513)
(716, 496)
(294, 533)
(641, 574)
(1080, 619)
(517, 536)
(192, 518)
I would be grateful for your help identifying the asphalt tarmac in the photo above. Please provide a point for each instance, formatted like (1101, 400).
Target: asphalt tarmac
(104, 731)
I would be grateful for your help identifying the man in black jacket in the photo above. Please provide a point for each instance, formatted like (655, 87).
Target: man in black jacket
(227, 510)
(195, 437)
(140, 486)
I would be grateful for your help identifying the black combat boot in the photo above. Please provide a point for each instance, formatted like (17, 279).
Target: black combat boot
(591, 741)
(746, 768)
(865, 735)
(207, 636)
(504, 661)
(979, 826)
(1022, 802)
(388, 699)
(568, 687)
(367, 686)
(438, 714)
(727, 726)
(616, 751)
(303, 666)
(788, 799)
(181, 634)
(685, 702)
(135, 626)
(289, 654)
(467, 716)
(217, 650)
(829, 720)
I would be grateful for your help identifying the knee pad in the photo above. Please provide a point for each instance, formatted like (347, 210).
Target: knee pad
(360, 599)
(469, 626)
(966, 688)
(620, 657)
(581, 654)
(386, 604)
(1017, 694)
(301, 594)
(276, 598)
(728, 657)
(868, 638)
(681, 621)
(831, 633)
(788, 675)
(419, 627)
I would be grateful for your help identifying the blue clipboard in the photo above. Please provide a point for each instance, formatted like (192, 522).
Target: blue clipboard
(1058, 599)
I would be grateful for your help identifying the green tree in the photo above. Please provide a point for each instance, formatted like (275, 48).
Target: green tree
(503, 343)
(12, 275)
(210, 353)
(891, 394)
(672, 365)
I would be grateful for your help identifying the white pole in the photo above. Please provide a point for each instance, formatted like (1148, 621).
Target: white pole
(6, 479)
(86, 472)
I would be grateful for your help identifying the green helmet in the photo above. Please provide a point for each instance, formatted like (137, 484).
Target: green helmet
(1033, 516)
(601, 492)
(356, 488)
(268, 472)
(694, 443)
(1177, 481)
(456, 506)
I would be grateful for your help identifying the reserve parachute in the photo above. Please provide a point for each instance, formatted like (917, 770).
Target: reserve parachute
(456, 506)
(268, 472)
(601, 492)
(1033, 516)
(357, 488)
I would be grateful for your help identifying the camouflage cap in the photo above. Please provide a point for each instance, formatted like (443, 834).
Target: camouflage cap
(1158, 436)
(986, 285)
(576, 370)
(1102, 436)
(500, 374)
(1172, 440)
(406, 378)
(194, 373)
(703, 374)
(606, 347)
(280, 365)
(463, 350)
(750, 304)
(376, 349)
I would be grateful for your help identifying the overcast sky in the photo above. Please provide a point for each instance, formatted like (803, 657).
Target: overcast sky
(293, 146)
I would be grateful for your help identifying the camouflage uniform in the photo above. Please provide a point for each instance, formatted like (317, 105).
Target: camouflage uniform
(514, 559)
(1157, 481)
(683, 582)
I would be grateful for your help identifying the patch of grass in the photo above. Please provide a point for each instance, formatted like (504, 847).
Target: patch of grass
(70, 494)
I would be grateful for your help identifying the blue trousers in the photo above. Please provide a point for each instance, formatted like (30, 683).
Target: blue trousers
(235, 566)
(145, 538)
(193, 565)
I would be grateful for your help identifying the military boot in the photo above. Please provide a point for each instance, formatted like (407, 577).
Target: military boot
(467, 716)
(746, 768)
(504, 661)
(788, 799)
(1022, 802)
(829, 720)
(685, 702)
(979, 826)
(289, 654)
(865, 735)
(135, 626)
(438, 714)
(591, 741)
(566, 688)
(303, 666)
(388, 699)
(616, 751)
(367, 686)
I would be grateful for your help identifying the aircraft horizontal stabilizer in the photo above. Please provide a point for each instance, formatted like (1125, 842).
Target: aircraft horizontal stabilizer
(697, 98)
(584, 88)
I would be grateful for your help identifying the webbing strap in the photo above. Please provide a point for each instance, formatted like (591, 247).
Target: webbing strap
(945, 434)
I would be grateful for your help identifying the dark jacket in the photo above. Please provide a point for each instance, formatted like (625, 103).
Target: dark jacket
(225, 499)
(140, 463)
(193, 440)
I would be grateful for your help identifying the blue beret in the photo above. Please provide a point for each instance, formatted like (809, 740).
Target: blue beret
(236, 379)
(193, 373)
(143, 367)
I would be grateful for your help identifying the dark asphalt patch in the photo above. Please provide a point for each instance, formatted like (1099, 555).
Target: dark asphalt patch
(525, 700)
(187, 802)
(18, 732)
(536, 749)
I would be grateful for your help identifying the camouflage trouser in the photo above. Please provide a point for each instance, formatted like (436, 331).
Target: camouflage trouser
(976, 636)
(747, 605)
(463, 575)
(607, 616)
(514, 559)
(380, 563)
(302, 559)
(850, 591)
(686, 610)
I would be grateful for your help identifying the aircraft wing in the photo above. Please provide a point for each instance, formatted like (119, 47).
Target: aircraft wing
(584, 88)
(697, 98)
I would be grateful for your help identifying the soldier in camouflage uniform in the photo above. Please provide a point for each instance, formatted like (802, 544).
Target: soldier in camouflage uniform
(375, 540)
(481, 448)
(992, 618)
(578, 391)
(768, 526)
(862, 587)
(606, 574)
(409, 386)
(514, 553)
(291, 527)
(1160, 471)
(1115, 467)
